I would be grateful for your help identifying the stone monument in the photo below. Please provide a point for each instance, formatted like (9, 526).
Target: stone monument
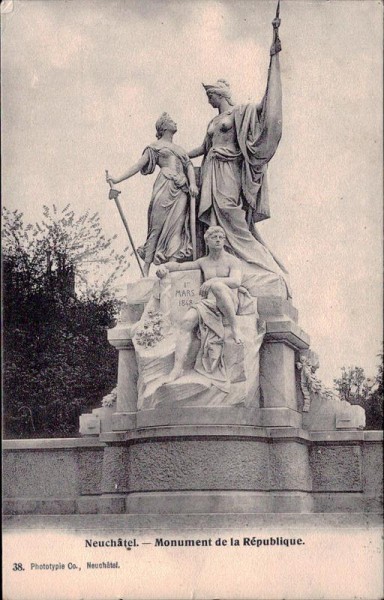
(217, 405)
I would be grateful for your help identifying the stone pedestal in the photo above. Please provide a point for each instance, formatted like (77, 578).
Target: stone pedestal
(282, 342)
(206, 469)
(186, 470)
(126, 406)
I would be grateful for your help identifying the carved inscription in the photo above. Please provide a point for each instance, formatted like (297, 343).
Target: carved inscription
(184, 292)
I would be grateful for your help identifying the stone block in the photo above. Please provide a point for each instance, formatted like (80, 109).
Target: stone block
(90, 464)
(277, 376)
(121, 335)
(183, 293)
(350, 416)
(337, 436)
(373, 469)
(139, 292)
(288, 332)
(261, 283)
(280, 417)
(339, 502)
(198, 464)
(112, 504)
(41, 474)
(124, 421)
(275, 308)
(89, 424)
(204, 415)
(201, 469)
(87, 505)
(336, 468)
(39, 506)
(198, 502)
(104, 414)
(131, 313)
(116, 469)
(292, 502)
(289, 466)
(330, 414)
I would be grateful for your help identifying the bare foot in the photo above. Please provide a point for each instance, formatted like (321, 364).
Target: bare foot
(146, 269)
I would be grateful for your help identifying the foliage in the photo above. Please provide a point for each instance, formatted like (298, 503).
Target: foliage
(47, 256)
(354, 387)
(152, 330)
(57, 362)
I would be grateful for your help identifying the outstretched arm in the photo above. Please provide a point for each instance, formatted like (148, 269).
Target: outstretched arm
(131, 171)
(199, 151)
(169, 267)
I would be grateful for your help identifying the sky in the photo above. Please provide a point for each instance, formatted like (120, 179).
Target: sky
(83, 82)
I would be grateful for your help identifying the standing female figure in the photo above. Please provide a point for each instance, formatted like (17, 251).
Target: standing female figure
(239, 143)
(169, 236)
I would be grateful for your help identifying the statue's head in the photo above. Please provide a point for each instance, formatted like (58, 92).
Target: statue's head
(217, 91)
(215, 237)
(165, 123)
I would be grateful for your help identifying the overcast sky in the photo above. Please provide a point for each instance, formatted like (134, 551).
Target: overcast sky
(85, 80)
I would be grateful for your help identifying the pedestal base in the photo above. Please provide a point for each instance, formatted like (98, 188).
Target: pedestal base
(218, 502)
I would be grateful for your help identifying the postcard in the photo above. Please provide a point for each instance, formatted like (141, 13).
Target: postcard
(192, 299)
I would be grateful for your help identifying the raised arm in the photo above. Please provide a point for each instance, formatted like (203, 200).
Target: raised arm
(132, 170)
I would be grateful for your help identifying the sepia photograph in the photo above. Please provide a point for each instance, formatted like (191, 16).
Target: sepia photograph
(192, 298)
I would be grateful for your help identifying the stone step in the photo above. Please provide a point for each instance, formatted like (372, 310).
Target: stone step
(271, 522)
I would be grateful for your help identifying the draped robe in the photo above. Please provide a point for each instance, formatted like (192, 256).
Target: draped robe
(234, 192)
(168, 235)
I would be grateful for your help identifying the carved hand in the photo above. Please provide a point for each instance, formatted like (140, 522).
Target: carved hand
(162, 272)
(276, 47)
(205, 289)
(111, 180)
(193, 190)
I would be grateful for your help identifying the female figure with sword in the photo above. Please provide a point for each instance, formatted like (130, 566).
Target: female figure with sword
(169, 215)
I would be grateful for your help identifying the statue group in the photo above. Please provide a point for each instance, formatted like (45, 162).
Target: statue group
(239, 143)
(211, 227)
(217, 390)
(212, 327)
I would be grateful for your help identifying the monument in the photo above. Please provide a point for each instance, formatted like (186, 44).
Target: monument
(213, 366)
(217, 407)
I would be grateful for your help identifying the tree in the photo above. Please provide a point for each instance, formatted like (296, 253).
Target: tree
(57, 361)
(354, 387)
(48, 255)
(376, 400)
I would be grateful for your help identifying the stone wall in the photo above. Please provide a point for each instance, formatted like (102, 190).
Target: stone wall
(51, 476)
(186, 469)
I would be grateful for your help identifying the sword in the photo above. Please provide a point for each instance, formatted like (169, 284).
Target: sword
(114, 195)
